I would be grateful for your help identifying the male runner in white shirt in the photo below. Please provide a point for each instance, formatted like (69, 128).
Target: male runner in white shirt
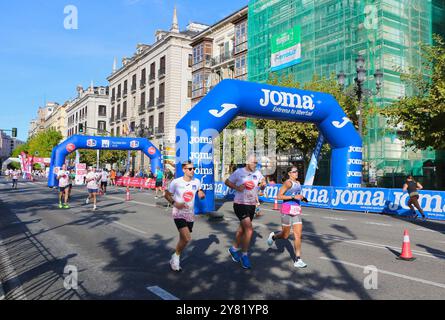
(181, 194)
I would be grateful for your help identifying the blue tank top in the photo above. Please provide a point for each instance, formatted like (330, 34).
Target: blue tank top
(293, 191)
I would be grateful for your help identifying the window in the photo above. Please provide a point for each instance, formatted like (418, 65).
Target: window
(240, 66)
(142, 104)
(151, 103)
(190, 60)
(202, 51)
(101, 126)
(132, 126)
(118, 91)
(133, 83)
(151, 122)
(112, 132)
(143, 77)
(112, 114)
(113, 94)
(124, 109)
(161, 98)
(118, 112)
(241, 37)
(125, 87)
(189, 89)
(153, 71)
(118, 131)
(102, 111)
(161, 122)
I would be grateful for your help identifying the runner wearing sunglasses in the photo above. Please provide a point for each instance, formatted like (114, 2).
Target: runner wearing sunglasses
(181, 195)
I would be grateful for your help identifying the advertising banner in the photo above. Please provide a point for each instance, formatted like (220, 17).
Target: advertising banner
(378, 200)
(286, 49)
(81, 172)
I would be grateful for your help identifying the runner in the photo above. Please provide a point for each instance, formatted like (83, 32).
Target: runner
(104, 181)
(63, 177)
(159, 178)
(290, 214)
(15, 178)
(71, 177)
(412, 187)
(245, 182)
(91, 179)
(181, 195)
(113, 177)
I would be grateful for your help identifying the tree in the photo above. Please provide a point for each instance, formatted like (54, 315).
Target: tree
(21, 148)
(41, 144)
(420, 118)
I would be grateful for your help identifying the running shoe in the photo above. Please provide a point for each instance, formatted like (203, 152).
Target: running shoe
(245, 263)
(423, 219)
(60, 205)
(66, 206)
(270, 240)
(94, 208)
(87, 200)
(174, 263)
(300, 264)
(235, 255)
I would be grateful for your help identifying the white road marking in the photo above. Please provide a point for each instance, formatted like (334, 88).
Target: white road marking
(428, 230)
(320, 294)
(378, 224)
(399, 275)
(126, 226)
(334, 218)
(132, 201)
(164, 295)
(372, 244)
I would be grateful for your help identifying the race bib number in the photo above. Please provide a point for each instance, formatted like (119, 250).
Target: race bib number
(290, 209)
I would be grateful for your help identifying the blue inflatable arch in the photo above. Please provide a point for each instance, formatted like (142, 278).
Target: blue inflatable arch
(75, 142)
(230, 98)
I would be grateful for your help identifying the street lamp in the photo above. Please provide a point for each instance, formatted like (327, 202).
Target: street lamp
(360, 92)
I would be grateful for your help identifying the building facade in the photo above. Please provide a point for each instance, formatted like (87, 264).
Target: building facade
(331, 34)
(151, 91)
(43, 113)
(89, 112)
(220, 52)
(57, 120)
(7, 145)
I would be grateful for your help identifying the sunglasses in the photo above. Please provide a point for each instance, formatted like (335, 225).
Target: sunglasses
(293, 171)
(190, 169)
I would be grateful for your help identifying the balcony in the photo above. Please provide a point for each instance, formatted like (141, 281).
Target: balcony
(222, 58)
(160, 101)
(159, 131)
(150, 104)
(141, 109)
(152, 77)
(142, 84)
(161, 73)
(198, 93)
(205, 63)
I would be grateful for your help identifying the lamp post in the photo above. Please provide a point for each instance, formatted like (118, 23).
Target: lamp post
(360, 92)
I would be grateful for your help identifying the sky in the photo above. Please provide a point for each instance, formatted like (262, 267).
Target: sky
(42, 61)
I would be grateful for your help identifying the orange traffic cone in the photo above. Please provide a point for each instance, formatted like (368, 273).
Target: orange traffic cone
(406, 248)
(275, 205)
(128, 194)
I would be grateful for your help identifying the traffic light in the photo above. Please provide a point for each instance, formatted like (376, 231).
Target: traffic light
(14, 132)
(80, 127)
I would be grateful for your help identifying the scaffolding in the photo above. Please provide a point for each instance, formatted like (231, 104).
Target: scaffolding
(333, 34)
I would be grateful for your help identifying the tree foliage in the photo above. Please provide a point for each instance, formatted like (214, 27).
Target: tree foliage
(420, 118)
(303, 136)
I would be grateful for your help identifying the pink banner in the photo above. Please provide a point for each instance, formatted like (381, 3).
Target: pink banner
(136, 182)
